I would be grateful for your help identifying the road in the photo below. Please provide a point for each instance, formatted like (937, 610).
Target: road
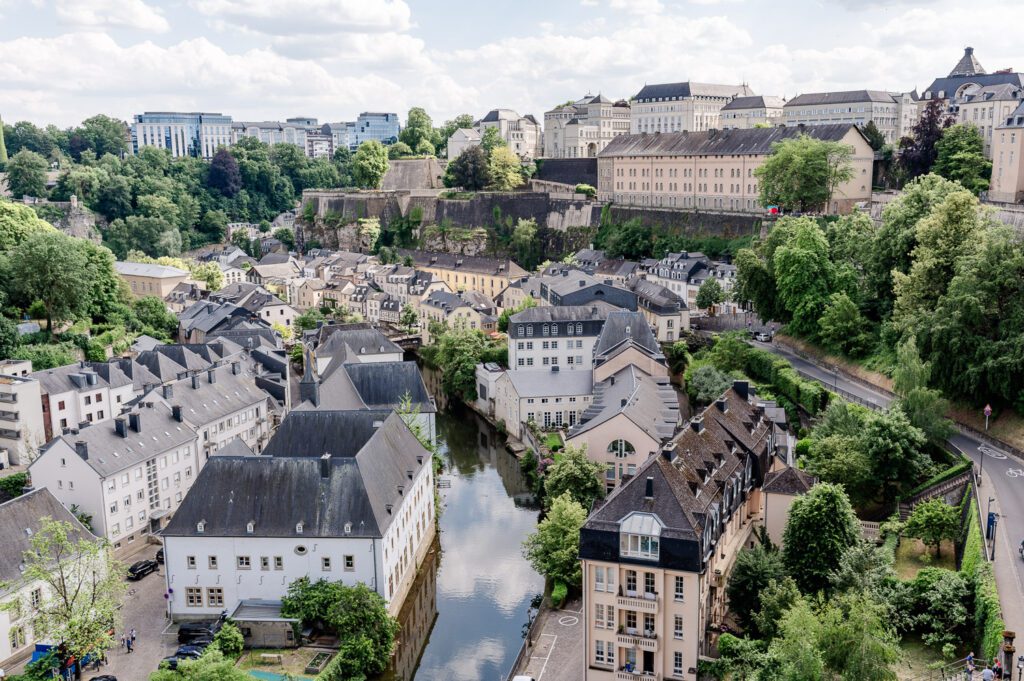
(1002, 478)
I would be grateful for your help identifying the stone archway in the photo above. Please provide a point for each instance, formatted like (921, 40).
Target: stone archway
(592, 150)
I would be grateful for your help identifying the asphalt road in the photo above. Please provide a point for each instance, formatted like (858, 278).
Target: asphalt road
(1003, 478)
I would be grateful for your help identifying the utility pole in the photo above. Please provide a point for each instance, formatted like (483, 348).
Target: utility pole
(987, 412)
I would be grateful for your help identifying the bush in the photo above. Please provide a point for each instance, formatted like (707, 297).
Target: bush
(988, 615)
(229, 640)
(559, 593)
(803, 448)
(586, 189)
(13, 485)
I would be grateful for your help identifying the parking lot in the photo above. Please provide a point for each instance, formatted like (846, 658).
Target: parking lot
(557, 651)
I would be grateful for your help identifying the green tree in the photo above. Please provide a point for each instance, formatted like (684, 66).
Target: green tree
(820, 530)
(369, 232)
(366, 634)
(710, 294)
(803, 173)
(229, 640)
(706, 383)
(308, 320)
(896, 451)
(399, 150)
(50, 267)
(491, 139)
(631, 240)
(925, 408)
(960, 156)
(369, 164)
(26, 174)
(856, 641)
(9, 338)
(424, 148)
(841, 460)
(241, 240)
(576, 475)
(449, 127)
(917, 153)
(842, 327)
(504, 169)
(875, 137)
(730, 351)
(153, 314)
(776, 598)
(104, 135)
(932, 521)
(525, 245)
(286, 236)
(311, 601)
(458, 352)
(212, 666)
(408, 319)
(803, 274)
(864, 568)
(18, 221)
(81, 598)
(25, 135)
(469, 170)
(841, 418)
(798, 646)
(505, 317)
(214, 225)
(553, 549)
(753, 570)
(418, 128)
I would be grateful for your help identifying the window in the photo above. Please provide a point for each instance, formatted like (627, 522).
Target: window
(113, 507)
(639, 546)
(325, 564)
(649, 587)
(677, 663)
(212, 562)
(599, 653)
(215, 597)
(278, 563)
(350, 563)
(599, 616)
(35, 598)
(264, 562)
(17, 637)
(193, 597)
(677, 628)
(621, 448)
(679, 588)
(190, 562)
(243, 562)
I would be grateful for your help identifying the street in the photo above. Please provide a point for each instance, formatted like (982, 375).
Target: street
(1003, 479)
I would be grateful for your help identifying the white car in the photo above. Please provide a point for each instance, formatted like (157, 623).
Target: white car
(763, 336)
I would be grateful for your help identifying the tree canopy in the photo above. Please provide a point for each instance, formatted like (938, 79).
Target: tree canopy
(803, 173)
(369, 164)
(553, 549)
(820, 530)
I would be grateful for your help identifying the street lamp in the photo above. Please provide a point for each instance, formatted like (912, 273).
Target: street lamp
(988, 412)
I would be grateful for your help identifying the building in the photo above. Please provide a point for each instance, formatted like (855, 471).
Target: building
(576, 287)
(657, 552)
(714, 170)
(82, 393)
(675, 107)
(22, 428)
(522, 134)
(665, 310)
(627, 340)
(20, 519)
(344, 496)
(548, 398)
(755, 111)
(145, 279)
(1008, 159)
(489, 276)
(581, 129)
(966, 78)
(683, 273)
(462, 139)
(315, 140)
(258, 301)
(183, 134)
(129, 475)
(856, 107)
(381, 127)
(908, 112)
(456, 311)
(988, 107)
(562, 337)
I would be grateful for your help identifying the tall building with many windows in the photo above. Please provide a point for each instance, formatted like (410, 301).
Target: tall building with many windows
(382, 127)
(183, 134)
(674, 107)
(583, 128)
(856, 107)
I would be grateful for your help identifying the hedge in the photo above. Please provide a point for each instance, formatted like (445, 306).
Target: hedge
(558, 593)
(988, 615)
(941, 476)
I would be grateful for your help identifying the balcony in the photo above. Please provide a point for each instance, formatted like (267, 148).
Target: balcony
(640, 603)
(649, 643)
(622, 675)
(11, 416)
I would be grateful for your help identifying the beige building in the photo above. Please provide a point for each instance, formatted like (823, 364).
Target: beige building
(674, 107)
(854, 107)
(966, 79)
(989, 107)
(522, 134)
(1008, 159)
(489, 276)
(584, 127)
(457, 311)
(752, 112)
(714, 170)
(145, 279)
(462, 139)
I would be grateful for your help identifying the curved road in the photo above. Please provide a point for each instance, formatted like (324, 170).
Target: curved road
(1003, 479)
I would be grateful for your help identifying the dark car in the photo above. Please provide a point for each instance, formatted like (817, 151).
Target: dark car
(173, 660)
(142, 568)
(105, 677)
(190, 632)
(160, 556)
(190, 649)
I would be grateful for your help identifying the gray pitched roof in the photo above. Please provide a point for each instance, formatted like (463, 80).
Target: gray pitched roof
(373, 385)
(20, 519)
(754, 102)
(968, 65)
(625, 328)
(141, 269)
(846, 97)
(717, 142)
(950, 84)
(76, 377)
(313, 433)
(648, 402)
(788, 480)
(203, 402)
(689, 89)
(540, 383)
(469, 263)
(599, 310)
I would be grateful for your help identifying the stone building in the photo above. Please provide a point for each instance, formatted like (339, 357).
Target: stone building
(522, 134)
(1008, 159)
(989, 107)
(675, 107)
(966, 78)
(583, 128)
(856, 107)
(752, 112)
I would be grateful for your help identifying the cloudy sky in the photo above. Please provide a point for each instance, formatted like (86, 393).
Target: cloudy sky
(64, 60)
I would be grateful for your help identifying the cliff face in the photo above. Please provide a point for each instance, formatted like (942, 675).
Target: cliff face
(70, 217)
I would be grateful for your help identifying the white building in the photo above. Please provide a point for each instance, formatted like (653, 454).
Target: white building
(751, 112)
(341, 496)
(81, 394)
(22, 429)
(462, 139)
(183, 134)
(522, 134)
(674, 107)
(20, 519)
(584, 127)
(857, 107)
(129, 475)
(555, 338)
(550, 399)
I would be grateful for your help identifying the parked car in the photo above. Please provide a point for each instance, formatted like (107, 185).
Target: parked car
(142, 568)
(190, 648)
(763, 336)
(190, 632)
(173, 660)
(105, 677)
(160, 556)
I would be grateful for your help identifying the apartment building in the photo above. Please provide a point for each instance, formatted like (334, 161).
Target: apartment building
(583, 128)
(82, 393)
(460, 140)
(575, 287)
(755, 111)
(966, 78)
(22, 429)
(21, 519)
(563, 337)
(855, 107)
(489, 276)
(657, 552)
(145, 279)
(683, 273)
(714, 170)
(457, 311)
(258, 302)
(129, 475)
(323, 502)
(315, 140)
(194, 134)
(522, 134)
(1008, 159)
(627, 340)
(988, 107)
(378, 126)
(665, 310)
(675, 107)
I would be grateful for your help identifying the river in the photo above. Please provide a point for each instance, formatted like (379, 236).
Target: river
(463, 620)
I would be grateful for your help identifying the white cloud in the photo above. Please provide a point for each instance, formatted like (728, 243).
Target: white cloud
(132, 14)
(305, 17)
(637, 6)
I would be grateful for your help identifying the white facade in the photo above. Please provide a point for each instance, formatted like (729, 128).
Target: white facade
(582, 129)
(545, 398)
(21, 414)
(462, 139)
(522, 134)
(182, 134)
(94, 402)
(571, 353)
(674, 107)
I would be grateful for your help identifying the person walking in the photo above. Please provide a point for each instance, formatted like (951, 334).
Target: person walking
(123, 638)
(129, 646)
(987, 674)
(133, 635)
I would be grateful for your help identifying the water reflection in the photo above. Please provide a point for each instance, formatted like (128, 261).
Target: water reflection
(483, 584)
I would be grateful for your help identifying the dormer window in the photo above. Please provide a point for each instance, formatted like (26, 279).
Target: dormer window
(201, 526)
(298, 527)
(250, 527)
(640, 536)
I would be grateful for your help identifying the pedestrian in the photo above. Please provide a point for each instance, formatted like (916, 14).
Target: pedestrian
(122, 640)
(970, 663)
(129, 646)
(987, 674)
(133, 635)
(997, 668)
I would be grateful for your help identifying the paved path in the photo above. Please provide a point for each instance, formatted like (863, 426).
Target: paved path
(557, 653)
(1002, 480)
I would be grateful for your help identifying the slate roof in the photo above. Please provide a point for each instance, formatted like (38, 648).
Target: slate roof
(145, 342)
(469, 263)
(950, 84)
(20, 518)
(757, 141)
(689, 89)
(344, 344)
(648, 402)
(209, 402)
(1015, 119)
(141, 269)
(968, 65)
(788, 480)
(540, 383)
(655, 294)
(599, 310)
(374, 385)
(277, 492)
(624, 328)
(845, 97)
(75, 377)
(754, 102)
(1000, 92)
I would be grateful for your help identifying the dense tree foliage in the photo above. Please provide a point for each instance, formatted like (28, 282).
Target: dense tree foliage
(369, 164)
(553, 549)
(469, 170)
(919, 151)
(751, 574)
(803, 173)
(26, 174)
(960, 156)
(820, 530)
(576, 475)
(505, 169)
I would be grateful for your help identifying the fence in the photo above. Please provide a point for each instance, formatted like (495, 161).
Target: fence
(524, 650)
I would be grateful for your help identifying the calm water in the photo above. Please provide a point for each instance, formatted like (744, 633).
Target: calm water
(464, 619)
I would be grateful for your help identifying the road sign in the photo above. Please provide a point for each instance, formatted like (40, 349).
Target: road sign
(988, 410)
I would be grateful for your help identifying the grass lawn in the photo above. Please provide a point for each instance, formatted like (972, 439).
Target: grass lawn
(293, 661)
(912, 556)
(917, 659)
(553, 441)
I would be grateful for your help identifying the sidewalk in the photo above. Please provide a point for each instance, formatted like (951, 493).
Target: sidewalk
(1006, 564)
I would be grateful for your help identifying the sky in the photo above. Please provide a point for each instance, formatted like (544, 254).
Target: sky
(65, 60)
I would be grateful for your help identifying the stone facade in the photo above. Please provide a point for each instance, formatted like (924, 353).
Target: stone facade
(584, 127)
(674, 107)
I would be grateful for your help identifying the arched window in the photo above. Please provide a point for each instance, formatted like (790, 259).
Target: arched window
(621, 449)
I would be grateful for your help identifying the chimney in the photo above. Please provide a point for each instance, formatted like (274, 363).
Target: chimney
(135, 421)
(195, 381)
(667, 453)
(649, 488)
(387, 507)
(697, 424)
(176, 412)
(92, 378)
(168, 391)
(624, 402)
(742, 389)
(565, 273)
(82, 449)
(325, 465)
(720, 403)
(236, 368)
(582, 283)
(211, 375)
(121, 426)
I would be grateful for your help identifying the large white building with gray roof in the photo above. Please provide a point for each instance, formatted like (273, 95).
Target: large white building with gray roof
(675, 107)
